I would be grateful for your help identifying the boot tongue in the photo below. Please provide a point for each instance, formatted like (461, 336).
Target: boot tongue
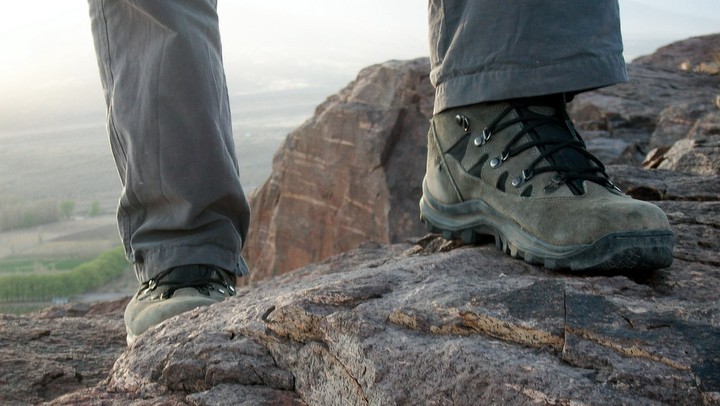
(542, 110)
(555, 132)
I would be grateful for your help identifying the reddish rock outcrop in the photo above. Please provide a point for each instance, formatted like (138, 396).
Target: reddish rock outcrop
(349, 175)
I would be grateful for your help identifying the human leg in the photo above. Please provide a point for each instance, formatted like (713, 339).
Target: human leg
(169, 123)
(493, 50)
(503, 156)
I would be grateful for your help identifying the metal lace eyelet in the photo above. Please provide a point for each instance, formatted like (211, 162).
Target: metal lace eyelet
(463, 122)
(495, 162)
(487, 133)
(555, 182)
(150, 286)
(481, 140)
(551, 188)
(524, 177)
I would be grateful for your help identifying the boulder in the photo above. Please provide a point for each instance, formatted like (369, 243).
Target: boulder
(698, 153)
(350, 174)
(700, 54)
(656, 108)
(667, 112)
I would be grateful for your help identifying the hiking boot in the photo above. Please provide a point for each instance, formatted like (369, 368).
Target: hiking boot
(518, 171)
(176, 291)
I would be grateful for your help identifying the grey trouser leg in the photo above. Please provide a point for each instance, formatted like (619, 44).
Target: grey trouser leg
(488, 50)
(170, 132)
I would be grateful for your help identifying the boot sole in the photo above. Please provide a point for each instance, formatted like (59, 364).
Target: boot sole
(622, 251)
(130, 337)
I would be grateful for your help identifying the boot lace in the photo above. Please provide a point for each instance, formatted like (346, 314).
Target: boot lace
(549, 148)
(202, 278)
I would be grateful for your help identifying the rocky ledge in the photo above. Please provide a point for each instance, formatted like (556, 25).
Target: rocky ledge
(430, 321)
(436, 323)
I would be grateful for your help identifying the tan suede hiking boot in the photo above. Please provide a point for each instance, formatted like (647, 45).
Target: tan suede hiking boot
(173, 292)
(519, 171)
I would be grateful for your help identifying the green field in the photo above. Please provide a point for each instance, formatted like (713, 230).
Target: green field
(74, 260)
(22, 308)
(27, 265)
(43, 285)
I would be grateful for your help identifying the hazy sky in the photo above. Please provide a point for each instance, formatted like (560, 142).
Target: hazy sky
(48, 74)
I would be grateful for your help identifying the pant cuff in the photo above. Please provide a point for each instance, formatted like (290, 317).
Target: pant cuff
(159, 260)
(502, 84)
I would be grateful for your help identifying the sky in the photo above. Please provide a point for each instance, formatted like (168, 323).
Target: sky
(49, 79)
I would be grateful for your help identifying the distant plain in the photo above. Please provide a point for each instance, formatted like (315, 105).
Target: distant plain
(74, 163)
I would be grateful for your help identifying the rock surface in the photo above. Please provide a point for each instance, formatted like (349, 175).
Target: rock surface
(655, 109)
(60, 350)
(429, 322)
(435, 323)
(699, 54)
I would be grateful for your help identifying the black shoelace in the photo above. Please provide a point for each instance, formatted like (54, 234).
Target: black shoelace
(549, 148)
(202, 279)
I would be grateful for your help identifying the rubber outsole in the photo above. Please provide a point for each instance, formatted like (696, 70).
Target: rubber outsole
(130, 337)
(623, 251)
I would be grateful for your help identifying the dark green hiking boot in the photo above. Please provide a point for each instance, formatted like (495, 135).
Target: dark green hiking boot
(176, 291)
(518, 171)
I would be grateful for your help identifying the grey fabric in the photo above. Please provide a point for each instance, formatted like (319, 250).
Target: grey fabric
(170, 132)
(489, 50)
